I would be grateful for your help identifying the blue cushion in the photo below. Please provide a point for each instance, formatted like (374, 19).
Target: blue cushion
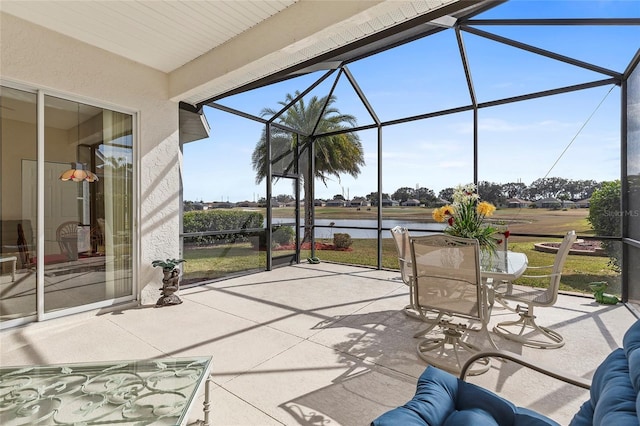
(472, 416)
(584, 416)
(400, 416)
(472, 396)
(631, 344)
(526, 417)
(442, 399)
(614, 388)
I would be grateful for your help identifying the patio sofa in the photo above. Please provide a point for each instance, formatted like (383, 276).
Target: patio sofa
(443, 399)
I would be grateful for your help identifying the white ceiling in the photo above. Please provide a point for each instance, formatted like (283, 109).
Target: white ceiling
(159, 33)
(210, 47)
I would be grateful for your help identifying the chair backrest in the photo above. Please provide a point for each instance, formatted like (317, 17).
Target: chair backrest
(558, 264)
(403, 246)
(446, 270)
(67, 237)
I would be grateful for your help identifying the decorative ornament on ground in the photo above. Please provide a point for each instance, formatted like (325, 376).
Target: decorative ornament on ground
(599, 288)
(170, 282)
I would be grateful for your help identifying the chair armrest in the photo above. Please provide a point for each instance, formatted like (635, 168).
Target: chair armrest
(540, 267)
(518, 359)
(541, 276)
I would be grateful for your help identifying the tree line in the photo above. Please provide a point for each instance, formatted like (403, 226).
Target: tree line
(499, 193)
(495, 193)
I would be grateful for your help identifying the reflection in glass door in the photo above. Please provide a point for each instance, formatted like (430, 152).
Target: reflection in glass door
(18, 145)
(86, 257)
(87, 221)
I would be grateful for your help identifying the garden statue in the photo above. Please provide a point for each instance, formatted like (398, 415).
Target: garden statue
(170, 282)
(601, 297)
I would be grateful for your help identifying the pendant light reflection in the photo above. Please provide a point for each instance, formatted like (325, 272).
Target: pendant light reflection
(77, 173)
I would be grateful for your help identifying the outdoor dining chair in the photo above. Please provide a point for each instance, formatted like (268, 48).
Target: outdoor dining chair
(447, 280)
(525, 330)
(401, 237)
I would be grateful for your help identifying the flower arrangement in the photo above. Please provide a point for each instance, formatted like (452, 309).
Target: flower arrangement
(466, 217)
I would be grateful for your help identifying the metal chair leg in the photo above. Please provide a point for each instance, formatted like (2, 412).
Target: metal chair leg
(547, 338)
(449, 347)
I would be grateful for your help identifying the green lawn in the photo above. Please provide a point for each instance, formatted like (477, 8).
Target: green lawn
(223, 260)
(210, 263)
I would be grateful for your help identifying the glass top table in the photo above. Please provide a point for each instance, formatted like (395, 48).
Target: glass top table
(142, 392)
(504, 265)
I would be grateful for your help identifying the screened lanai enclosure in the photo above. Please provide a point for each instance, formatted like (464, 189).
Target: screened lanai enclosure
(537, 106)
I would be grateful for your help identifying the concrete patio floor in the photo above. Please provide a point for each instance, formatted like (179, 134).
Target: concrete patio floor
(315, 344)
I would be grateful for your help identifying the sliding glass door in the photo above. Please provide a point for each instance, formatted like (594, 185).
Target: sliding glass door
(85, 208)
(18, 145)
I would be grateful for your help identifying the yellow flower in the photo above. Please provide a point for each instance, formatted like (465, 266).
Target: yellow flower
(485, 209)
(438, 215)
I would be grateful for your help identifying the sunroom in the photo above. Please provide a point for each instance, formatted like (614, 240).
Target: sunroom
(427, 84)
(105, 145)
(506, 97)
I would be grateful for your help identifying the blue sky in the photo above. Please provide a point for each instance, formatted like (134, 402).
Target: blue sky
(574, 135)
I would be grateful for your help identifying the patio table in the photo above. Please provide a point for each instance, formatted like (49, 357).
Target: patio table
(149, 392)
(504, 265)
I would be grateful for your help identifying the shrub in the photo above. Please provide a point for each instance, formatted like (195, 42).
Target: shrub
(204, 221)
(283, 235)
(261, 241)
(342, 240)
(605, 217)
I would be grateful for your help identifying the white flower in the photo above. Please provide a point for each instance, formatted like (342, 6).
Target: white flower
(464, 194)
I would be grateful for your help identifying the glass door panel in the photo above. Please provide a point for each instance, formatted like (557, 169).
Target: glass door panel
(87, 204)
(18, 146)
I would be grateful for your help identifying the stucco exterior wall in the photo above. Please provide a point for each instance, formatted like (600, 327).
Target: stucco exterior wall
(39, 58)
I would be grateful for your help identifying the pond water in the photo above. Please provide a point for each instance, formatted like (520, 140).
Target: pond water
(347, 226)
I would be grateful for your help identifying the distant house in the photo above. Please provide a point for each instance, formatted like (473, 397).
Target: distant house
(276, 203)
(196, 206)
(554, 203)
(583, 204)
(515, 203)
(220, 205)
(335, 203)
(318, 203)
(389, 203)
(358, 202)
(548, 203)
(411, 202)
(247, 204)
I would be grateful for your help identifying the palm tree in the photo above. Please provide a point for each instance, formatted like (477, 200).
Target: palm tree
(335, 154)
